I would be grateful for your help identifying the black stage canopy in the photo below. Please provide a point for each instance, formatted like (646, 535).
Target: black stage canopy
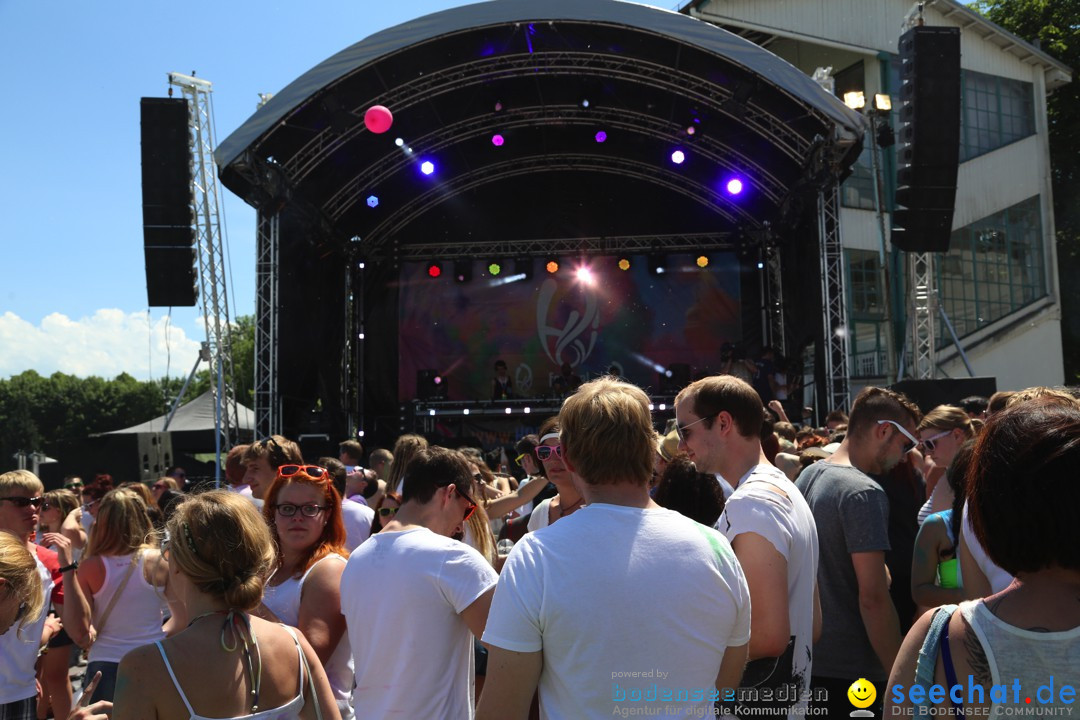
(552, 79)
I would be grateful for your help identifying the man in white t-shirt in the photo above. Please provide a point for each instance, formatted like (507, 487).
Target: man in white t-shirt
(356, 516)
(623, 604)
(414, 598)
(772, 531)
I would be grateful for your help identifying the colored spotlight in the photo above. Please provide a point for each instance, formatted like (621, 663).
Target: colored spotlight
(434, 270)
(427, 167)
(494, 269)
(624, 264)
(703, 261)
(399, 142)
(585, 275)
(678, 157)
(372, 201)
(497, 140)
(734, 186)
(601, 136)
(690, 130)
(552, 267)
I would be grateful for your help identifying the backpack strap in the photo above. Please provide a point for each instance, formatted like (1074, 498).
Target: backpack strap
(928, 653)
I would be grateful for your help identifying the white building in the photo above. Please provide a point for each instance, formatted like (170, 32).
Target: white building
(999, 281)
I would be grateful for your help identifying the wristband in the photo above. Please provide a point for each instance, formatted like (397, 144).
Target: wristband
(72, 566)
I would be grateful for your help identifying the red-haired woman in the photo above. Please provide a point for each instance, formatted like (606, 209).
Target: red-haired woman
(304, 513)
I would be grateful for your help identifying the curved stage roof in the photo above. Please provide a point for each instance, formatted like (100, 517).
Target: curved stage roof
(524, 70)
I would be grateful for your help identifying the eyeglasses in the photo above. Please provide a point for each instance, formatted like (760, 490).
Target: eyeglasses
(315, 472)
(518, 460)
(543, 452)
(310, 510)
(931, 442)
(680, 430)
(472, 504)
(22, 502)
(912, 441)
(387, 512)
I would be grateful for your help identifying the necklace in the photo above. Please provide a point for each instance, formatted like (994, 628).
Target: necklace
(205, 614)
(565, 510)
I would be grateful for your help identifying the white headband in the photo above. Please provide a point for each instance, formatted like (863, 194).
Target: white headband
(549, 436)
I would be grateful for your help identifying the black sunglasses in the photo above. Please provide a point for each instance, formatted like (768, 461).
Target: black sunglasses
(22, 502)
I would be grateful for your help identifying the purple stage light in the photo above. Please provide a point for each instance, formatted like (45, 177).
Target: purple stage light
(497, 140)
(427, 167)
(678, 157)
(601, 136)
(734, 186)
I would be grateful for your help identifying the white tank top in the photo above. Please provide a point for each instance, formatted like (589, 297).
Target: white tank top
(1030, 657)
(284, 601)
(136, 617)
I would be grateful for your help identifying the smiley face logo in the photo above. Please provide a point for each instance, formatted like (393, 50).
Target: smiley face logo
(862, 693)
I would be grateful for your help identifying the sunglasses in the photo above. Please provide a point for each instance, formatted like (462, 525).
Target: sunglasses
(387, 512)
(21, 502)
(931, 442)
(310, 510)
(912, 442)
(73, 486)
(518, 460)
(544, 452)
(681, 430)
(472, 504)
(315, 472)
(277, 453)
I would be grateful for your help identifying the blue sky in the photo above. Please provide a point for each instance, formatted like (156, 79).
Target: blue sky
(73, 296)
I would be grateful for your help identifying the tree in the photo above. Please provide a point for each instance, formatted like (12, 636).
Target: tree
(1054, 25)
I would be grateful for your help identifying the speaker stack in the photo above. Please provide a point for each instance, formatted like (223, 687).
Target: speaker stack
(168, 223)
(928, 150)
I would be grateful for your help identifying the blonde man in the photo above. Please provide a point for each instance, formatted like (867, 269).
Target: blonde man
(20, 502)
(568, 610)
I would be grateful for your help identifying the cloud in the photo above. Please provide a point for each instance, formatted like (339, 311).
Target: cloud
(107, 343)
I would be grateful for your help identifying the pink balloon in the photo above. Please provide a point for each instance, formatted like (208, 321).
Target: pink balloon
(378, 119)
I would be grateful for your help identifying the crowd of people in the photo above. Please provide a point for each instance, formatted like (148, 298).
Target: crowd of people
(732, 563)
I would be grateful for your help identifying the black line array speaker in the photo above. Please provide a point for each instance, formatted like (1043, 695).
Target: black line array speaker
(928, 147)
(168, 232)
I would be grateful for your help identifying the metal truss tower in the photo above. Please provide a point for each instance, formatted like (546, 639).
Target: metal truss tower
(212, 271)
(923, 308)
(834, 311)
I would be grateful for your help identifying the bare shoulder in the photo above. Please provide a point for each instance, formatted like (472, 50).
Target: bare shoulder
(325, 576)
(143, 664)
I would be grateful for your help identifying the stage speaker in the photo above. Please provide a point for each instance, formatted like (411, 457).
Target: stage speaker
(928, 143)
(928, 394)
(168, 231)
(430, 385)
(679, 378)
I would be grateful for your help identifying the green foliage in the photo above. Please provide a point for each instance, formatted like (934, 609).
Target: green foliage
(1054, 25)
(41, 413)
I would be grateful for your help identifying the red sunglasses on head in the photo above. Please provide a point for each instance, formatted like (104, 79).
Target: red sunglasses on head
(315, 472)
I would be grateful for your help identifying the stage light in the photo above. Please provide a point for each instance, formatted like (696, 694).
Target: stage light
(527, 410)
(507, 411)
(437, 380)
(494, 269)
(855, 100)
(678, 157)
(497, 140)
(434, 269)
(651, 407)
(882, 102)
(702, 261)
(372, 201)
(734, 186)
(465, 411)
(663, 407)
(624, 264)
(552, 267)
(360, 336)
(427, 167)
(361, 265)
(462, 271)
(585, 102)
(601, 136)
(498, 107)
(431, 412)
(690, 130)
(399, 142)
(584, 275)
(360, 433)
(760, 265)
(657, 264)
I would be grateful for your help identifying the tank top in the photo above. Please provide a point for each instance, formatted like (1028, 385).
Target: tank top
(1027, 656)
(284, 601)
(136, 616)
(948, 571)
(288, 711)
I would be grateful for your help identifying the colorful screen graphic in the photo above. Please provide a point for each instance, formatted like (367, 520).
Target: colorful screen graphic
(636, 320)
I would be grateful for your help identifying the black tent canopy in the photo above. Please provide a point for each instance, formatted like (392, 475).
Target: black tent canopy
(552, 79)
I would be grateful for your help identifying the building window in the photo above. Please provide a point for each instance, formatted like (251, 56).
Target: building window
(858, 190)
(994, 267)
(996, 111)
(867, 314)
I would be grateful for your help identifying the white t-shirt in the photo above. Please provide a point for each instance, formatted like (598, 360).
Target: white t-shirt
(358, 518)
(539, 517)
(614, 597)
(788, 524)
(19, 649)
(999, 579)
(402, 594)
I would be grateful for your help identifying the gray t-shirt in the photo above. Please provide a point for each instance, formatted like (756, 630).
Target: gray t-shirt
(852, 515)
